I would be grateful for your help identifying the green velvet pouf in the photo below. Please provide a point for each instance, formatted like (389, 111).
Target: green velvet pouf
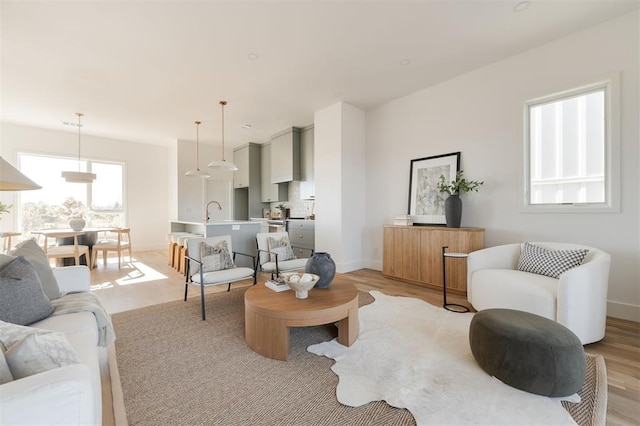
(528, 352)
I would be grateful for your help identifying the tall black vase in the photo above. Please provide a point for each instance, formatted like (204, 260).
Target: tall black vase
(453, 211)
(323, 266)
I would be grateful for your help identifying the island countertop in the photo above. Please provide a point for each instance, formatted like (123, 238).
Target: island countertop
(224, 222)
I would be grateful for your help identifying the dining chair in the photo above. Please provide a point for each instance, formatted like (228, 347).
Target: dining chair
(118, 240)
(62, 251)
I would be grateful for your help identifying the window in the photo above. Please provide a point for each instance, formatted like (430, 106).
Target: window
(569, 150)
(101, 204)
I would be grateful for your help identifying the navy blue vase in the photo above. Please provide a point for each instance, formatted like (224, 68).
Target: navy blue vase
(323, 266)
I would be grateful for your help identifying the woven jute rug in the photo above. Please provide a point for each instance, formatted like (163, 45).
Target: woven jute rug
(176, 369)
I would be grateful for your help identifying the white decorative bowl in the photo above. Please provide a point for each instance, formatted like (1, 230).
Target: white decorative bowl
(300, 287)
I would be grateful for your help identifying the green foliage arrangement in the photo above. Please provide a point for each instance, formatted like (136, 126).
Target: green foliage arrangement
(4, 208)
(458, 186)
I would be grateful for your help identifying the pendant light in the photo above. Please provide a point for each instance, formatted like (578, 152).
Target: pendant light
(12, 180)
(197, 171)
(79, 176)
(222, 164)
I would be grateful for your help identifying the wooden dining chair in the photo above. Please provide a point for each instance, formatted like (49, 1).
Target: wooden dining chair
(119, 241)
(60, 251)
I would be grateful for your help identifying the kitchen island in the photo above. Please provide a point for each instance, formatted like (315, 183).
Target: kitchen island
(243, 235)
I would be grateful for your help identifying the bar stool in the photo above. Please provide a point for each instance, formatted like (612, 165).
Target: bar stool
(6, 243)
(182, 259)
(172, 238)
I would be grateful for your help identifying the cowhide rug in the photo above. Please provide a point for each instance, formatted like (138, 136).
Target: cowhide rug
(416, 356)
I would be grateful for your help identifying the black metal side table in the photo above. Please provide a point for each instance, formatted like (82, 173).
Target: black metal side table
(453, 307)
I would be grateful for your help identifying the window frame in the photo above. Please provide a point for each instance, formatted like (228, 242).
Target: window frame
(611, 86)
(89, 190)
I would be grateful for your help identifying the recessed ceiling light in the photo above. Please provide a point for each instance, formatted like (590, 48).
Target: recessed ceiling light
(405, 62)
(246, 126)
(253, 56)
(523, 5)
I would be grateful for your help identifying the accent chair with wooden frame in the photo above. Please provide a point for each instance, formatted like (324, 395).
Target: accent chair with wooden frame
(196, 264)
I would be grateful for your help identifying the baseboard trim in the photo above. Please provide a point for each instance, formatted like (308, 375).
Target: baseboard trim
(348, 267)
(624, 311)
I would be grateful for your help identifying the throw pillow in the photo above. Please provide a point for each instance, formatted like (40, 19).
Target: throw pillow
(215, 258)
(281, 247)
(551, 263)
(34, 254)
(31, 351)
(22, 300)
(5, 372)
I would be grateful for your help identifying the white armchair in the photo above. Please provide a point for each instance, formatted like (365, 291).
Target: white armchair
(577, 299)
(271, 261)
(198, 273)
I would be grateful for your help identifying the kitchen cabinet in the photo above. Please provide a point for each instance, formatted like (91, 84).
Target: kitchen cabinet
(307, 184)
(302, 237)
(271, 192)
(247, 191)
(414, 254)
(285, 156)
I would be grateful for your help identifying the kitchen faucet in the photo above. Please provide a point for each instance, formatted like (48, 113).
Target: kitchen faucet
(206, 210)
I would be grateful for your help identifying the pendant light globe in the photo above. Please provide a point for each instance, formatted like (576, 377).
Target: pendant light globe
(222, 164)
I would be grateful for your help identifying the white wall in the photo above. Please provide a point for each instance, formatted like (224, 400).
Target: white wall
(339, 165)
(481, 115)
(146, 167)
(194, 192)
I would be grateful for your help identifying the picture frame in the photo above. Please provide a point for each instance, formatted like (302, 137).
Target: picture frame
(426, 203)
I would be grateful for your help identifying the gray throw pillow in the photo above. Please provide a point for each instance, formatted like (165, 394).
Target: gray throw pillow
(34, 254)
(22, 300)
(551, 263)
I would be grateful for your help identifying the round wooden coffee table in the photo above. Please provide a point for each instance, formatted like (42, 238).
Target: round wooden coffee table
(268, 315)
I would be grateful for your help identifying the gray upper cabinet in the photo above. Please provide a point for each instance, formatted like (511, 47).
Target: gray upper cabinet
(241, 176)
(271, 192)
(285, 156)
(307, 184)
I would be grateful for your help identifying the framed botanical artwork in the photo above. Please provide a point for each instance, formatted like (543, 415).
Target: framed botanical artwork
(426, 203)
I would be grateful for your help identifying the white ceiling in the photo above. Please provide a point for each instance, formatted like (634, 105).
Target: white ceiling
(144, 71)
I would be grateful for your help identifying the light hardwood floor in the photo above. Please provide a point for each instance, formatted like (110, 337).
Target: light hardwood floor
(148, 280)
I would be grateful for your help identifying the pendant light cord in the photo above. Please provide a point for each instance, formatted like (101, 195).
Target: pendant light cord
(197, 145)
(223, 103)
(79, 114)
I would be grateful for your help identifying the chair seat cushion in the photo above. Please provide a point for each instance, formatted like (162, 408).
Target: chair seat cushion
(528, 352)
(511, 289)
(110, 245)
(223, 276)
(287, 265)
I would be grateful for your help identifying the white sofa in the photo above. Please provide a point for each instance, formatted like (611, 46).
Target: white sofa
(577, 300)
(69, 395)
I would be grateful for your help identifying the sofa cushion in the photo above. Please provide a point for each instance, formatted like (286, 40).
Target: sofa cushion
(34, 254)
(551, 263)
(281, 247)
(22, 300)
(29, 350)
(215, 258)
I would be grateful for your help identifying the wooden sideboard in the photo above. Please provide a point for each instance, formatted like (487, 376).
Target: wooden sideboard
(414, 254)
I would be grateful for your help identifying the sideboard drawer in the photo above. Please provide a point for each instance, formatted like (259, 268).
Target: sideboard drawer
(301, 253)
(302, 238)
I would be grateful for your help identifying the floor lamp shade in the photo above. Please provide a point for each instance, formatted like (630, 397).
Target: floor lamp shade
(12, 180)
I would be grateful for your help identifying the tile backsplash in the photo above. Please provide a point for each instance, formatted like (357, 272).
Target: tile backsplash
(299, 208)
